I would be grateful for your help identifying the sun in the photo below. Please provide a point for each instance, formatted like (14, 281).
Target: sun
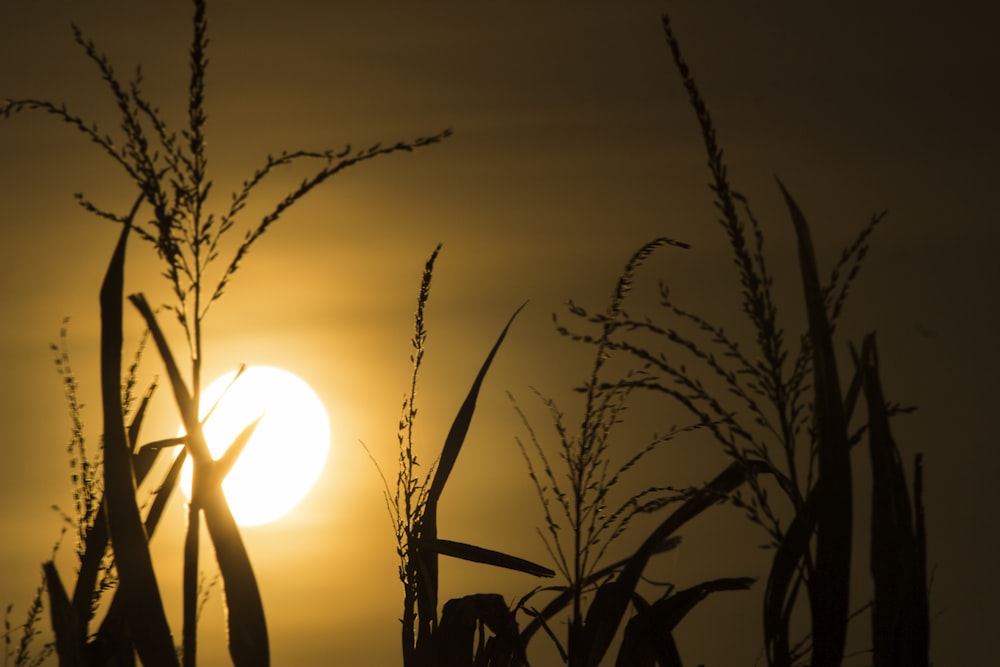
(286, 454)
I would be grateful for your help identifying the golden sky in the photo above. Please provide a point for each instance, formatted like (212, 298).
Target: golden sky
(573, 145)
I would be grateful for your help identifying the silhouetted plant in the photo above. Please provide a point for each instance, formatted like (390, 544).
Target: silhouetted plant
(97, 573)
(23, 653)
(780, 416)
(586, 498)
(413, 507)
(790, 421)
(170, 174)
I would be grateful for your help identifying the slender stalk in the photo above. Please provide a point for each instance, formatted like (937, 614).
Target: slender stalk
(576, 626)
(190, 583)
(191, 540)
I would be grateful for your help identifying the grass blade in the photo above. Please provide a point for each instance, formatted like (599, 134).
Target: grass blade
(142, 459)
(185, 404)
(90, 563)
(671, 610)
(779, 596)
(891, 528)
(461, 617)
(163, 493)
(648, 635)
(605, 614)
(566, 593)
(830, 584)
(232, 453)
(97, 537)
(248, 638)
(612, 599)
(138, 587)
(111, 634)
(899, 610)
(65, 622)
(480, 555)
(459, 428)
(643, 644)
(427, 579)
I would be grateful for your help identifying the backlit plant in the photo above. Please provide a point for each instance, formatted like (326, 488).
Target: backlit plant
(169, 171)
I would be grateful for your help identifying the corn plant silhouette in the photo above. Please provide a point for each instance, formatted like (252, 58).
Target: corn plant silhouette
(582, 498)
(789, 425)
(413, 505)
(169, 171)
(781, 417)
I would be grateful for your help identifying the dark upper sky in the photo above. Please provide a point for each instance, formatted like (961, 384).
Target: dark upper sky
(573, 145)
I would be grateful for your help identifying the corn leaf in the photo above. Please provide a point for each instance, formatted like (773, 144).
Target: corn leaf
(899, 610)
(611, 601)
(456, 435)
(248, 639)
(891, 524)
(427, 579)
(605, 614)
(830, 583)
(112, 644)
(65, 623)
(185, 404)
(140, 414)
(111, 637)
(142, 458)
(111, 631)
(480, 555)
(232, 453)
(648, 636)
(462, 617)
(163, 493)
(780, 593)
(672, 609)
(561, 601)
(643, 645)
(138, 586)
(96, 542)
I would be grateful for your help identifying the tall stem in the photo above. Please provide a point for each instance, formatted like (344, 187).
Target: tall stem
(191, 587)
(576, 625)
(191, 541)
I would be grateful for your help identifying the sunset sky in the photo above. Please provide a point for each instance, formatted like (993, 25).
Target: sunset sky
(573, 145)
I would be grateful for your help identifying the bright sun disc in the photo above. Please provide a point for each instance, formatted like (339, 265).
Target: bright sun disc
(286, 453)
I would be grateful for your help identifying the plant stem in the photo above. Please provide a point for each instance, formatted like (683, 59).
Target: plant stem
(191, 584)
